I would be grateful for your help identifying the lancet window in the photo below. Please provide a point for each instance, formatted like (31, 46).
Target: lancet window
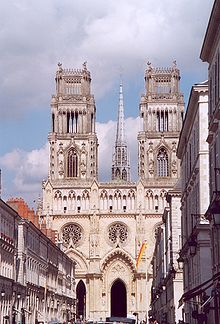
(72, 120)
(85, 200)
(162, 121)
(124, 175)
(72, 164)
(58, 200)
(53, 123)
(162, 163)
(72, 87)
(104, 200)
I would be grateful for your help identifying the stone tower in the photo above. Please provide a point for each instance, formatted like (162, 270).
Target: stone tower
(120, 165)
(73, 141)
(161, 109)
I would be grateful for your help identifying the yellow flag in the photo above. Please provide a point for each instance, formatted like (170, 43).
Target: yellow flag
(143, 246)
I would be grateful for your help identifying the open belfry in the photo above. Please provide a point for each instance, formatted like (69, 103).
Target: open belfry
(102, 226)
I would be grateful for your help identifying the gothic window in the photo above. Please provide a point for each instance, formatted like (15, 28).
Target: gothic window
(103, 199)
(118, 232)
(162, 121)
(158, 121)
(166, 122)
(124, 174)
(117, 172)
(72, 164)
(58, 195)
(72, 234)
(85, 200)
(104, 194)
(123, 155)
(76, 125)
(85, 194)
(162, 163)
(71, 194)
(131, 194)
(53, 123)
(68, 122)
(119, 154)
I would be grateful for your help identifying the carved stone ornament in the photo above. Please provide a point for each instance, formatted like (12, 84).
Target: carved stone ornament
(118, 268)
(151, 166)
(118, 234)
(72, 235)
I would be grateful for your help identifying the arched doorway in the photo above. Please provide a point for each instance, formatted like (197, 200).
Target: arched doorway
(81, 300)
(118, 299)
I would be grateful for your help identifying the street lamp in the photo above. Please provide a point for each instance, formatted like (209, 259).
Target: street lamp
(180, 261)
(3, 293)
(192, 246)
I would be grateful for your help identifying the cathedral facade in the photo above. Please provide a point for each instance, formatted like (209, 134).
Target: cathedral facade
(102, 226)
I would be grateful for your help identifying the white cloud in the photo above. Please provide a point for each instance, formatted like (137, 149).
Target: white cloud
(111, 35)
(28, 169)
(106, 133)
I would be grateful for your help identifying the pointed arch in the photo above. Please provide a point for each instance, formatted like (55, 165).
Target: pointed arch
(71, 200)
(85, 200)
(162, 162)
(118, 299)
(79, 258)
(119, 254)
(58, 200)
(124, 174)
(81, 300)
(149, 199)
(72, 163)
(103, 199)
(117, 173)
(131, 199)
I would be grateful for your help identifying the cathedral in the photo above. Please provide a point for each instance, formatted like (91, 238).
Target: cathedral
(102, 226)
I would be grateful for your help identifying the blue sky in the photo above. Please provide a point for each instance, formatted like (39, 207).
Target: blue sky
(113, 37)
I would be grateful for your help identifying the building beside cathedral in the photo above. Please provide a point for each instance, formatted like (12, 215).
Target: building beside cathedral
(102, 226)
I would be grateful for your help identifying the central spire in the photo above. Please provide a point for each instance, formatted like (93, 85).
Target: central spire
(120, 164)
(121, 123)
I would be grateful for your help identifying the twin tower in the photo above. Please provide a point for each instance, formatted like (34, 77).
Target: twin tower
(73, 140)
(102, 226)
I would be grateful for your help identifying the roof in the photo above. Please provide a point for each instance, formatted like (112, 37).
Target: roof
(212, 33)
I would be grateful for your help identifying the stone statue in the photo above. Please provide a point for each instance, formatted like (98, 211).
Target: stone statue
(151, 166)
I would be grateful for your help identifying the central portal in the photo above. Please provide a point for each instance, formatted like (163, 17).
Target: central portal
(118, 299)
(81, 300)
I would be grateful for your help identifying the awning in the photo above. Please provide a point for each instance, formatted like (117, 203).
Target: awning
(198, 290)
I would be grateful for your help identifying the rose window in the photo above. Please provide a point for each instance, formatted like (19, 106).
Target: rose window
(118, 233)
(72, 234)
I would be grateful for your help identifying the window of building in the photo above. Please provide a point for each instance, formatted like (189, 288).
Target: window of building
(72, 234)
(72, 164)
(117, 232)
(162, 163)
(124, 174)
(162, 121)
